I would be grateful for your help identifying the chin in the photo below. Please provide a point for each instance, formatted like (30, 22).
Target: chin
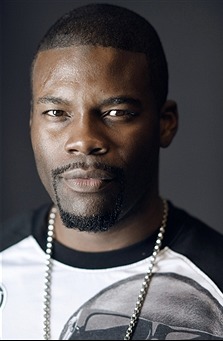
(92, 223)
(91, 216)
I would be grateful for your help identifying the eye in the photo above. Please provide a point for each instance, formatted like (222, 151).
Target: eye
(55, 113)
(120, 113)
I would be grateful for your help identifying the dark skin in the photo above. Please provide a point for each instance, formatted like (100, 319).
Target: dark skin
(102, 111)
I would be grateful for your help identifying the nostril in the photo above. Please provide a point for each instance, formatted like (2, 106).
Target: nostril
(81, 147)
(97, 151)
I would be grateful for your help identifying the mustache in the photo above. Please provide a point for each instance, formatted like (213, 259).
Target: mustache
(113, 170)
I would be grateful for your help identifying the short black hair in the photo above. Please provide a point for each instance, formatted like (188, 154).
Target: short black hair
(109, 25)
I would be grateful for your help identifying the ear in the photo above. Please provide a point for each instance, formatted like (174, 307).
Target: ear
(168, 123)
(31, 114)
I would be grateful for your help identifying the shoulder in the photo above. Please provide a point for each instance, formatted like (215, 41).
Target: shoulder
(197, 241)
(193, 230)
(15, 229)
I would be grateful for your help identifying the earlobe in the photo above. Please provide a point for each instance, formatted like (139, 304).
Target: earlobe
(30, 117)
(30, 120)
(31, 113)
(168, 123)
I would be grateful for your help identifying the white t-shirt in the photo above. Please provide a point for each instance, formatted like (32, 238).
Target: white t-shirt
(182, 302)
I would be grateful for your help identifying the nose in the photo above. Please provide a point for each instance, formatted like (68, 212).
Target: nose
(86, 137)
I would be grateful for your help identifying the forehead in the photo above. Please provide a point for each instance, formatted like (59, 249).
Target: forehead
(89, 64)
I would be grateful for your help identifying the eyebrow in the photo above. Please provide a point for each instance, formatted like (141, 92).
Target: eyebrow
(105, 102)
(52, 100)
(121, 100)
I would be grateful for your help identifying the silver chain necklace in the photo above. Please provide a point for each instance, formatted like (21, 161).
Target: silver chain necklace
(142, 294)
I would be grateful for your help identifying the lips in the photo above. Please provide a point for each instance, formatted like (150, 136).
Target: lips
(87, 181)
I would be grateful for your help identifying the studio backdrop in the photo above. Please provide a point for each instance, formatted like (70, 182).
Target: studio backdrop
(191, 169)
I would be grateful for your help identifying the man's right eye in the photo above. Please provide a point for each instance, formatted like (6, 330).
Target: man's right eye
(54, 113)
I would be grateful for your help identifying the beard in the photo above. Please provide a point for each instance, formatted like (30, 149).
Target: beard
(93, 223)
(106, 216)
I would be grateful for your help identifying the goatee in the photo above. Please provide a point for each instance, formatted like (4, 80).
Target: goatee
(100, 222)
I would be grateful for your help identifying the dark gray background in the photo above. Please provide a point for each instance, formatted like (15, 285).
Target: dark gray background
(191, 169)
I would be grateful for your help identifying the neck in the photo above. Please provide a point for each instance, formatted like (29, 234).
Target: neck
(133, 228)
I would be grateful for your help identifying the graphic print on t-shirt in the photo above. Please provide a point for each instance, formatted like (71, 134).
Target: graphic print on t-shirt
(176, 307)
(2, 296)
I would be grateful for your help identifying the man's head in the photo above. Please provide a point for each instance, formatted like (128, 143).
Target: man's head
(112, 26)
(100, 115)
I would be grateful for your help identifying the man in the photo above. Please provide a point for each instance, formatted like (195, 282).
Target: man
(108, 258)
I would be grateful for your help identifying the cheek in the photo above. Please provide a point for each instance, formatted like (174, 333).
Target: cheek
(141, 161)
(45, 144)
(44, 153)
(140, 147)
